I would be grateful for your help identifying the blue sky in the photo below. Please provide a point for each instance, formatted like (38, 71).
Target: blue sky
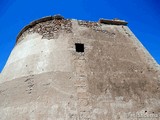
(143, 17)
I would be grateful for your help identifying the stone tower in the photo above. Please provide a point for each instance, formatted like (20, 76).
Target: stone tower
(64, 69)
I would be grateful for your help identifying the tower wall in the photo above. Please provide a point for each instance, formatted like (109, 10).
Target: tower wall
(46, 78)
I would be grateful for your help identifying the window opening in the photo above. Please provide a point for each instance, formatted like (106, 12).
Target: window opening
(79, 47)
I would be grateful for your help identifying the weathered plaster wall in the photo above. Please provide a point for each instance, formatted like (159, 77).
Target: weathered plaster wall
(35, 55)
(46, 79)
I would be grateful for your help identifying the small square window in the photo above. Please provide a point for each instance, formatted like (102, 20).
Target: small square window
(79, 47)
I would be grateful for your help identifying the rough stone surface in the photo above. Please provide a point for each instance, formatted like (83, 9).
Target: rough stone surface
(50, 29)
(115, 78)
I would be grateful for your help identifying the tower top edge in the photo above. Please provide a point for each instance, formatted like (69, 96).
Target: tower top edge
(59, 17)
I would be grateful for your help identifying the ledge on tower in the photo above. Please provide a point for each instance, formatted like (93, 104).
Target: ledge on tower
(56, 17)
(113, 22)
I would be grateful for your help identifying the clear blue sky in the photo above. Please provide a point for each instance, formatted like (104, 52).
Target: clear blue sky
(143, 17)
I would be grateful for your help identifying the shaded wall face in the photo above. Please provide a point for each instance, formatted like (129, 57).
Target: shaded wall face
(120, 72)
(113, 76)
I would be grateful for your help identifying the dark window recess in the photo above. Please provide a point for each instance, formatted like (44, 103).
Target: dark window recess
(79, 47)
